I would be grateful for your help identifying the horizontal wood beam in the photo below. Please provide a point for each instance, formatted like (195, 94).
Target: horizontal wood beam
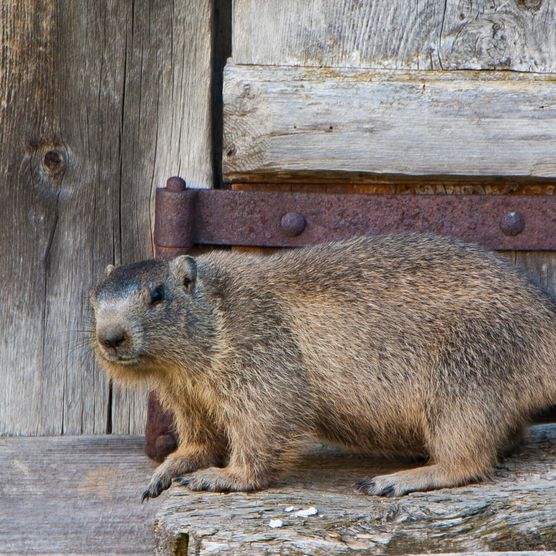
(283, 120)
(431, 34)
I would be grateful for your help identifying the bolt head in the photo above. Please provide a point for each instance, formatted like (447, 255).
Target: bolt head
(176, 184)
(292, 223)
(512, 223)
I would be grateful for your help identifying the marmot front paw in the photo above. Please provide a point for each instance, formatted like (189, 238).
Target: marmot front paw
(217, 479)
(157, 485)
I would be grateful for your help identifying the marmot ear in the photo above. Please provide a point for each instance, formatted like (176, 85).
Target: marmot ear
(184, 268)
(108, 270)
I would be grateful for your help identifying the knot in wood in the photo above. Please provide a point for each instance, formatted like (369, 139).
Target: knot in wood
(52, 161)
(530, 4)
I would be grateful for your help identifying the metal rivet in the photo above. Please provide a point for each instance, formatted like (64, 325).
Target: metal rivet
(176, 184)
(512, 223)
(292, 223)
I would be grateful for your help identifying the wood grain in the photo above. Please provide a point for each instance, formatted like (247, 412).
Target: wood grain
(495, 34)
(166, 131)
(540, 267)
(75, 495)
(514, 511)
(286, 120)
(57, 224)
(100, 103)
(426, 35)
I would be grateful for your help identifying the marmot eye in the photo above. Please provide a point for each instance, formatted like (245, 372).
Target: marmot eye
(157, 295)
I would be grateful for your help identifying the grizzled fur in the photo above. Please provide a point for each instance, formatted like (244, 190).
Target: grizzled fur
(414, 345)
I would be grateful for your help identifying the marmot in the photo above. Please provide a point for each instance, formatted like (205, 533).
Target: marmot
(405, 344)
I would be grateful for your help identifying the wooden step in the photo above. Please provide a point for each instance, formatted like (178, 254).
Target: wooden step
(516, 511)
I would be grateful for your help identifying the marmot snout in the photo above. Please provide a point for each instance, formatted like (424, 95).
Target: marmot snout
(411, 344)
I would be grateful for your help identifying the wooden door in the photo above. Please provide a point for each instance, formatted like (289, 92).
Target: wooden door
(403, 98)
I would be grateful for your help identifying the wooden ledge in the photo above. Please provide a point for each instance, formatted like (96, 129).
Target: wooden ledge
(516, 511)
(75, 495)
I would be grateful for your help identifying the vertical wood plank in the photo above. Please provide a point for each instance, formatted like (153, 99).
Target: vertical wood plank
(100, 102)
(63, 154)
(29, 198)
(90, 64)
(540, 267)
(166, 131)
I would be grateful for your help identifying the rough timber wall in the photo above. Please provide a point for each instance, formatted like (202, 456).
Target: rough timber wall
(432, 96)
(100, 102)
(330, 101)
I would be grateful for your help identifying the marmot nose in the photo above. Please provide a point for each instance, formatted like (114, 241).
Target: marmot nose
(112, 336)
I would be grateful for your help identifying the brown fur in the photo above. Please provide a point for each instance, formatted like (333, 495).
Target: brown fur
(415, 344)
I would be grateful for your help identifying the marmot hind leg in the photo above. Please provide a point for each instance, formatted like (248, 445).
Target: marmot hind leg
(428, 477)
(458, 457)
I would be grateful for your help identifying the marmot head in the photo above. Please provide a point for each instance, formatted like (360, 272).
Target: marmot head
(147, 316)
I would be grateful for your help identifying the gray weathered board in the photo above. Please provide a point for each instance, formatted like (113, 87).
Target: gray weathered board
(283, 119)
(331, 112)
(514, 511)
(75, 495)
(99, 103)
(515, 35)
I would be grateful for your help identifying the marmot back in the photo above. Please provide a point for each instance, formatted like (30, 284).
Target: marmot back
(410, 344)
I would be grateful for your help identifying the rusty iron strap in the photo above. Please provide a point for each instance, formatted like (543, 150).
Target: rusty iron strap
(187, 217)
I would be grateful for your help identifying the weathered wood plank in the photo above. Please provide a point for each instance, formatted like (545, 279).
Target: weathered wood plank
(540, 267)
(56, 224)
(430, 34)
(495, 34)
(514, 511)
(100, 103)
(288, 120)
(396, 34)
(75, 495)
(166, 131)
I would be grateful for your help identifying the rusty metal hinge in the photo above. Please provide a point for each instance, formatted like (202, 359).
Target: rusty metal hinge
(187, 217)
